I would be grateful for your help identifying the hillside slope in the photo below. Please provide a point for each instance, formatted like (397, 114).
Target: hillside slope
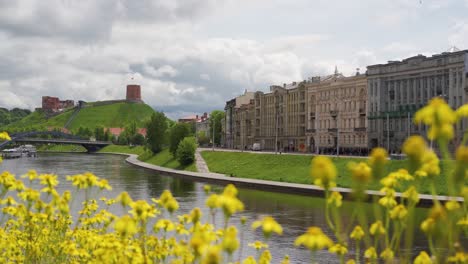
(111, 115)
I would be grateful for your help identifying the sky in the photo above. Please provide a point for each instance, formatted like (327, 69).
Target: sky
(191, 56)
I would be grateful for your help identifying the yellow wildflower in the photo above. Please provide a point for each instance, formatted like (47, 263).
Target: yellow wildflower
(213, 256)
(258, 245)
(411, 194)
(164, 224)
(360, 172)
(463, 222)
(4, 136)
(351, 261)
(335, 199)
(31, 175)
(462, 111)
(377, 229)
(422, 258)
(439, 116)
(269, 225)
(125, 226)
(378, 157)
(399, 212)
(48, 180)
(462, 153)
(460, 257)
(427, 226)
(414, 147)
(212, 201)
(387, 254)
(265, 257)
(230, 242)
(124, 199)
(249, 260)
(338, 249)
(141, 210)
(195, 215)
(314, 239)
(357, 233)
(207, 188)
(388, 201)
(285, 260)
(452, 205)
(323, 172)
(370, 253)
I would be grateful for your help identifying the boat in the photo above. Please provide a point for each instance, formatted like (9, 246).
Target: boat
(11, 153)
(28, 150)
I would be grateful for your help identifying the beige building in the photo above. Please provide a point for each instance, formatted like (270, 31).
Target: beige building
(320, 115)
(337, 114)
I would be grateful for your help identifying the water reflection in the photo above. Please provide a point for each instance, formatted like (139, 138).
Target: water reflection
(294, 213)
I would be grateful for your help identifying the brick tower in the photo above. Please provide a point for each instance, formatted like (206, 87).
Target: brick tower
(134, 93)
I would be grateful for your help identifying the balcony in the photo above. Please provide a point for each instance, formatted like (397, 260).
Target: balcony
(333, 130)
(362, 111)
(333, 113)
(310, 130)
(360, 129)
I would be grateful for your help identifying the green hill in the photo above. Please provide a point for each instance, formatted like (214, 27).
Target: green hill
(110, 115)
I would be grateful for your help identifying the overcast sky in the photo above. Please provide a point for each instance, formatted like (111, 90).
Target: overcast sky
(191, 56)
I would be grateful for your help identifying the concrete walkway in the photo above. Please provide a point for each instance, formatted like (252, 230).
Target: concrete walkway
(273, 186)
(200, 162)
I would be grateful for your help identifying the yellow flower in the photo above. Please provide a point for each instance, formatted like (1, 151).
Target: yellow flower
(351, 261)
(427, 226)
(207, 188)
(323, 172)
(411, 194)
(269, 225)
(212, 201)
(388, 201)
(338, 249)
(377, 229)
(439, 116)
(168, 201)
(213, 256)
(378, 156)
(141, 210)
(49, 180)
(103, 184)
(370, 253)
(399, 212)
(228, 201)
(422, 258)
(314, 239)
(452, 205)
(249, 260)
(31, 175)
(124, 199)
(358, 233)
(462, 153)
(414, 147)
(258, 245)
(164, 224)
(230, 242)
(335, 199)
(265, 257)
(387, 254)
(126, 226)
(460, 257)
(462, 111)
(195, 215)
(360, 172)
(463, 222)
(4, 136)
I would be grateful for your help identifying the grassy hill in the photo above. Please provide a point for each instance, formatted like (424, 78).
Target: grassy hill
(112, 115)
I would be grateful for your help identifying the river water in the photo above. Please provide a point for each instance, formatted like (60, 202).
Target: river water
(295, 213)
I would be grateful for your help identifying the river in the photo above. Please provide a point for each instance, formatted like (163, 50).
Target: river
(295, 213)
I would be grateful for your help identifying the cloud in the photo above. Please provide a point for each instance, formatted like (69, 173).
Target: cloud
(459, 34)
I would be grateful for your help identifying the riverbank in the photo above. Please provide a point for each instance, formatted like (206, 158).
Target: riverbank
(296, 168)
(265, 185)
(61, 148)
(163, 158)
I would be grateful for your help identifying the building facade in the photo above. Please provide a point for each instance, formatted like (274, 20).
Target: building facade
(398, 89)
(337, 119)
(53, 104)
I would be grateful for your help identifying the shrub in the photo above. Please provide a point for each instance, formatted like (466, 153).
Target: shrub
(186, 151)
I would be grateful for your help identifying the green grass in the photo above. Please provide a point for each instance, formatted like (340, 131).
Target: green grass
(113, 115)
(294, 168)
(163, 158)
(138, 150)
(61, 148)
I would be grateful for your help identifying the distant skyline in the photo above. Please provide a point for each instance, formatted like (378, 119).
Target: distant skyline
(191, 56)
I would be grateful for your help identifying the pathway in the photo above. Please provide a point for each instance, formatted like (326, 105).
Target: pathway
(200, 162)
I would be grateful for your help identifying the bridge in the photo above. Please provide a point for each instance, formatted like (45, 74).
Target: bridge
(57, 138)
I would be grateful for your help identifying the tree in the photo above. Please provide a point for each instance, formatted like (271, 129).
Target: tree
(216, 116)
(202, 138)
(186, 151)
(176, 134)
(138, 140)
(155, 131)
(99, 133)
